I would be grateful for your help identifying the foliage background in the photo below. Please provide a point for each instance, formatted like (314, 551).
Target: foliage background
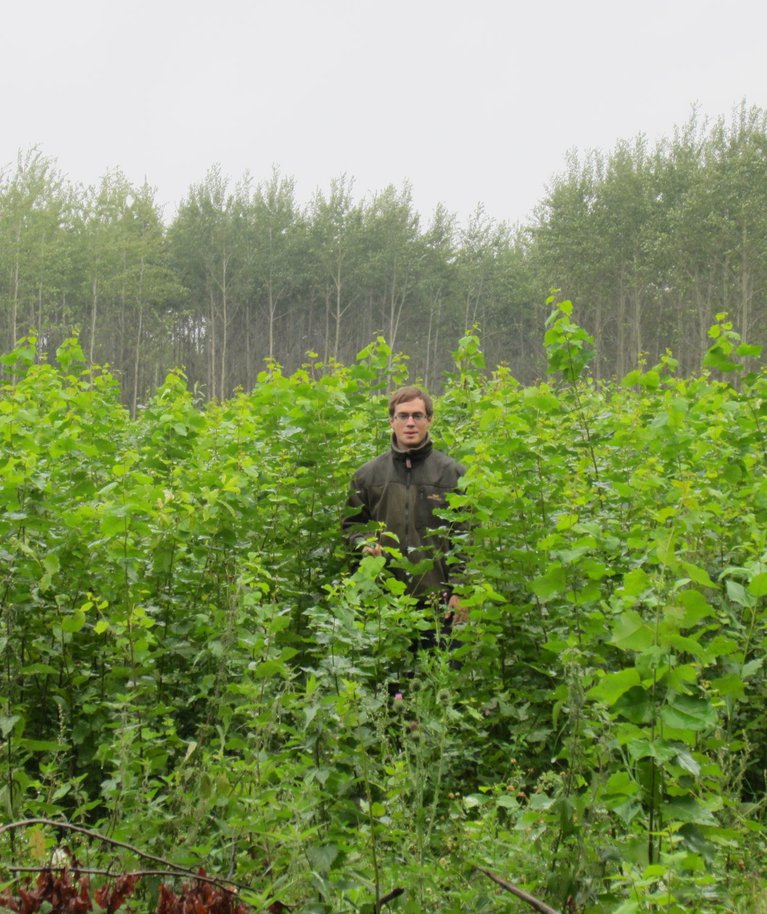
(192, 664)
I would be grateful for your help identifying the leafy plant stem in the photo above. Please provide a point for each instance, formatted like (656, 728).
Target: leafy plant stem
(371, 819)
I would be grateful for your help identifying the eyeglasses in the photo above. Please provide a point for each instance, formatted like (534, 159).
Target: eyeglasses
(416, 417)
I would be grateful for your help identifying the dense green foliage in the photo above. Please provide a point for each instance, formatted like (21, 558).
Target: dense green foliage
(650, 243)
(192, 664)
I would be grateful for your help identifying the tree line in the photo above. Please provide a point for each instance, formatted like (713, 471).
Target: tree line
(650, 244)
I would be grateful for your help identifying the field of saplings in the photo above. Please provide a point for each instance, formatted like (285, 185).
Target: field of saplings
(195, 675)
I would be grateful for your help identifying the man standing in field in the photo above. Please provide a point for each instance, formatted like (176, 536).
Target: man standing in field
(400, 490)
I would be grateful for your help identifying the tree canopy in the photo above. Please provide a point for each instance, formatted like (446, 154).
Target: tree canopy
(650, 244)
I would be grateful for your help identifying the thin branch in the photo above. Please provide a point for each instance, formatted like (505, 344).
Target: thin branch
(534, 902)
(96, 835)
(88, 871)
(385, 899)
(173, 867)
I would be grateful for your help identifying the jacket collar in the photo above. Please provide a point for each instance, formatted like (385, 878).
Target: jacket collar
(415, 453)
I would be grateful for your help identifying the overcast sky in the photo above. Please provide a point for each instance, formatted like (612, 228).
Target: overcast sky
(471, 102)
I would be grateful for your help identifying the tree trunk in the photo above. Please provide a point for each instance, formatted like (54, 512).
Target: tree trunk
(94, 311)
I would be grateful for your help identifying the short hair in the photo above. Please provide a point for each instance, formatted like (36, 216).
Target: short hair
(410, 393)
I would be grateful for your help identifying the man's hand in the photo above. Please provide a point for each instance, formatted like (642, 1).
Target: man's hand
(459, 612)
(372, 549)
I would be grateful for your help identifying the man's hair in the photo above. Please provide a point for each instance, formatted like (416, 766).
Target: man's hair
(410, 393)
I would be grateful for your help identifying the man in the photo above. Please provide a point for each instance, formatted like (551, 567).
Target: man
(401, 490)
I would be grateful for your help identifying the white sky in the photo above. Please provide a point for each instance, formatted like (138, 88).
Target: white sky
(472, 102)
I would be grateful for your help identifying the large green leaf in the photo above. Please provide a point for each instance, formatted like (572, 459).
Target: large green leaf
(684, 712)
(631, 632)
(611, 686)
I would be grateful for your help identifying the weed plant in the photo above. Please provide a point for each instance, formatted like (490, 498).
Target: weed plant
(192, 664)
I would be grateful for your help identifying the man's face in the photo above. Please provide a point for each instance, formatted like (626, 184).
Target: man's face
(409, 430)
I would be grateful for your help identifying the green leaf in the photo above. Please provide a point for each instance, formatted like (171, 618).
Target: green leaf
(660, 750)
(698, 575)
(632, 378)
(113, 525)
(689, 646)
(687, 713)
(632, 633)
(757, 586)
(39, 669)
(269, 668)
(696, 607)
(635, 582)
(74, 622)
(51, 564)
(322, 857)
(636, 706)
(736, 592)
(718, 359)
(621, 784)
(688, 809)
(43, 745)
(729, 686)
(686, 761)
(7, 724)
(550, 584)
(566, 521)
(627, 907)
(612, 685)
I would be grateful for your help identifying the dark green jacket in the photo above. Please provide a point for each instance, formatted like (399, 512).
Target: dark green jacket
(401, 490)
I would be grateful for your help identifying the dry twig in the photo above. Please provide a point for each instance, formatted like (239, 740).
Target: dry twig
(534, 902)
(385, 899)
(88, 871)
(174, 869)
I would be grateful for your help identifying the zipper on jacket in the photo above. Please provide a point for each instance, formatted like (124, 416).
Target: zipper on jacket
(408, 479)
